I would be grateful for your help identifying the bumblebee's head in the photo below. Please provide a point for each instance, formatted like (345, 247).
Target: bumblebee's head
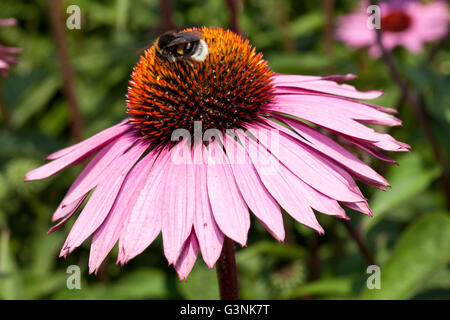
(201, 74)
(185, 46)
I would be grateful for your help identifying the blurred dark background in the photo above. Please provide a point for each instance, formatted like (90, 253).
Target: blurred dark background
(409, 235)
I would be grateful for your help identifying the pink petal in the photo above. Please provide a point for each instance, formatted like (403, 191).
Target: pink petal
(69, 211)
(178, 201)
(340, 78)
(64, 208)
(307, 165)
(314, 113)
(319, 201)
(325, 86)
(333, 106)
(102, 199)
(61, 211)
(94, 142)
(345, 176)
(144, 222)
(93, 172)
(228, 206)
(59, 164)
(333, 150)
(187, 258)
(283, 185)
(208, 233)
(371, 151)
(8, 22)
(253, 191)
(316, 199)
(359, 206)
(382, 109)
(108, 233)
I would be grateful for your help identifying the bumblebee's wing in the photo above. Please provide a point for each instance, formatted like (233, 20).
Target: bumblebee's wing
(185, 37)
(141, 50)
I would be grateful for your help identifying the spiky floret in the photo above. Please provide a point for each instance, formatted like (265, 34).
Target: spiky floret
(226, 91)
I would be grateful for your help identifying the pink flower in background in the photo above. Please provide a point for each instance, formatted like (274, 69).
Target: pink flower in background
(142, 183)
(409, 24)
(7, 57)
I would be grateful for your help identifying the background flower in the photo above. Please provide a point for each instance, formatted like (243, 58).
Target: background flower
(7, 57)
(406, 23)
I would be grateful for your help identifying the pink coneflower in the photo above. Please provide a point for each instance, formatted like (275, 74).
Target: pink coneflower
(7, 57)
(143, 182)
(409, 24)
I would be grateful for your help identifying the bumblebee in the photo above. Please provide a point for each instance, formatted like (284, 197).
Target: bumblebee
(184, 46)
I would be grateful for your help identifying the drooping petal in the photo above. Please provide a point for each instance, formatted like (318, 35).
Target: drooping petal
(333, 150)
(208, 233)
(188, 256)
(93, 172)
(178, 203)
(144, 222)
(66, 214)
(362, 207)
(253, 191)
(108, 233)
(65, 205)
(325, 86)
(228, 206)
(348, 108)
(281, 183)
(313, 197)
(371, 151)
(62, 212)
(102, 199)
(308, 166)
(318, 201)
(59, 164)
(316, 112)
(94, 142)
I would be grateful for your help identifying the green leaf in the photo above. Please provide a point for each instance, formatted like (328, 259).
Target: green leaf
(201, 284)
(298, 63)
(10, 278)
(339, 286)
(272, 248)
(422, 249)
(140, 284)
(407, 180)
(45, 251)
(28, 143)
(307, 23)
(38, 287)
(15, 171)
(145, 283)
(35, 98)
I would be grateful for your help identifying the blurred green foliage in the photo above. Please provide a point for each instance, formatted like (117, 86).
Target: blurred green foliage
(409, 234)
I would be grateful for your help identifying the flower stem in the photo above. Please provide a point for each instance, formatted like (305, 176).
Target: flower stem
(167, 15)
(315, 257)
(328, 9)
(4, 113)
(363, 248)
(234, 12)
(60, 38)
(227, 272)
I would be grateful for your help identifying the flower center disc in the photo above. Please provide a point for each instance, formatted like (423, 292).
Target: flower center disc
(395, 21)
(227, 90)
